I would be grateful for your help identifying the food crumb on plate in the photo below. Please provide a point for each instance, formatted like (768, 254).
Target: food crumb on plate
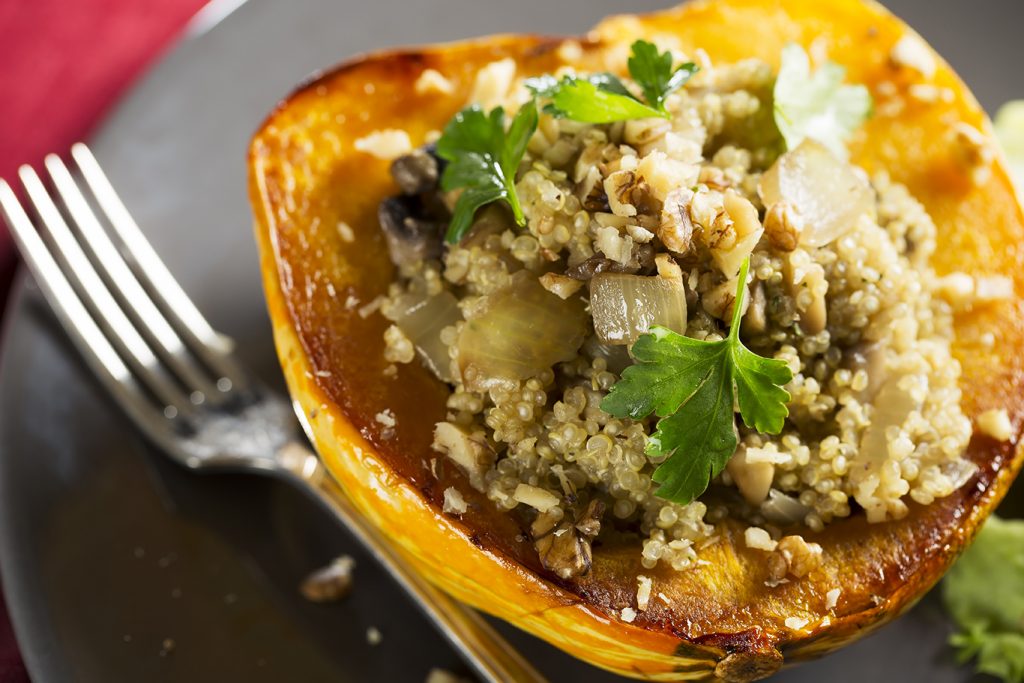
(454, 503)
(386, 418)
(329, 583)
(167, 647)
(444, 676)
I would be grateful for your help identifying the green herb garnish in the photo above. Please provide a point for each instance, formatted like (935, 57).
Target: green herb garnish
(603, 98)
(1009, 127)
(984, 593)
(691, 385)
(817, 105)
(482, 161)
(653, 72)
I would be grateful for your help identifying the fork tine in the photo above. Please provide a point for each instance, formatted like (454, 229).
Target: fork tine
(77, 321)
(133, 297)
(121, 332)
(213, 348)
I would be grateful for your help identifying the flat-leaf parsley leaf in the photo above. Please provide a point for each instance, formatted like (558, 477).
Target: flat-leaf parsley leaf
(603, 98)
(817, 105)
(653, 72)
(692, 386)
(482, 161)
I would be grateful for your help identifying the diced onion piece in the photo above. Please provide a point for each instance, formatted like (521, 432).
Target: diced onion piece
(871, 358)
(422, 319)
(783, 509)
(536, 497)
(625, 306)
(753, 479)
(892, 405)
(523, 331)
(826, 192)
(616, 357)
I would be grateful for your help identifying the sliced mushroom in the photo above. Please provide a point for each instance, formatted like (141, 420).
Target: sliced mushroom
(585, 270)
(564, 545)
(416, 172)
(412, 234)
(641, 260)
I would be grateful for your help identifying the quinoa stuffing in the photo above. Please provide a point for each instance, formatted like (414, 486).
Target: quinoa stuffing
(544, 263)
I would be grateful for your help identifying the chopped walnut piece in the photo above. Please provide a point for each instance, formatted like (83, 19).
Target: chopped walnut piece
(714, 178)
(470, 453)
(668, 269)
(560, 285)
(801, 557)
(590, 191)
(563, 545)
(782, 226)
(676, 229)
(619, 187)
(637, 132)
(777, 569)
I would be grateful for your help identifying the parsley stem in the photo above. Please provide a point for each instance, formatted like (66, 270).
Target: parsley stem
(513, 202)
(737, 307)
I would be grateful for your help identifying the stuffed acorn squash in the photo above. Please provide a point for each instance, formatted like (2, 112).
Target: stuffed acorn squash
(705, 362)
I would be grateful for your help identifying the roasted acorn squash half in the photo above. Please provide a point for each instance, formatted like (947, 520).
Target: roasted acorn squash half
(721, 620)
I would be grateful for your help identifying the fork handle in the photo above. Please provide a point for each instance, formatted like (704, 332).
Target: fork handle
(486, 651)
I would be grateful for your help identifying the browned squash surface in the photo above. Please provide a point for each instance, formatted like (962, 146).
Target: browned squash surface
(306, 177)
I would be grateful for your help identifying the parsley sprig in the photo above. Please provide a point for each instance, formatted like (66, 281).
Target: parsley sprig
(603, 98)
(692, 385)
(482, 160)
(817, 105)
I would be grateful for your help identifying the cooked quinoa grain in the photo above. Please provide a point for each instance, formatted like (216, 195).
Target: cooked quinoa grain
(674, 207)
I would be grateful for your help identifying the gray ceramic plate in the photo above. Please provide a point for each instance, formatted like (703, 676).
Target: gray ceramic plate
(108, 551)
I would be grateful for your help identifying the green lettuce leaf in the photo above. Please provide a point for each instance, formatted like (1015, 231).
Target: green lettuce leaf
(984, 593)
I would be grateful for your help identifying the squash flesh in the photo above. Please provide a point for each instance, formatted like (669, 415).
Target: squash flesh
(305, 177)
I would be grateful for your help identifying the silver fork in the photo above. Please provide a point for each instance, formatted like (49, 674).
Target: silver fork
(175, 376)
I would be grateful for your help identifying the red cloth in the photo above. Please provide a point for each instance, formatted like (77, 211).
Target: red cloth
(62, 64)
